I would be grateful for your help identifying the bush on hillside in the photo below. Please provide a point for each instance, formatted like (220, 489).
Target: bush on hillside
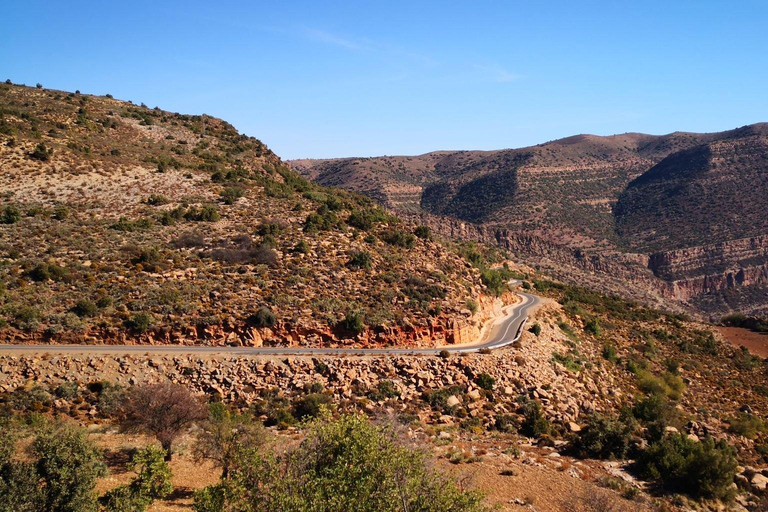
(702, 469)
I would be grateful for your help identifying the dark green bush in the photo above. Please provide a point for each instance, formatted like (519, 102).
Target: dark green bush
(264, 317)
(360, 259)
(702, 469)
(140, 322)
(485, 381)
(10, 215)
(230, 195)
(399, 238)
(61, 475)
(603, 437)
(342, 465)
(366, 219)
(353, 321)
(85, 307)
(384, 389)
(310, 406)
(46, 271)
(153, 481)
(41, 153)
(534, 423)
(423, 232)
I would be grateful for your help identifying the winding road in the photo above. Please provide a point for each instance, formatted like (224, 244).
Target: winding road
(502, 333)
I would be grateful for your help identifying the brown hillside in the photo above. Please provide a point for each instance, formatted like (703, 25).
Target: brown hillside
(123, 223)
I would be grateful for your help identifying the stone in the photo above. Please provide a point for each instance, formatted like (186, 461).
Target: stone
(759, 482)
(452, 401)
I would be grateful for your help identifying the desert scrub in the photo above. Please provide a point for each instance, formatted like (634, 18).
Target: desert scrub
(702, 469)
(360, 260)
(139, 322)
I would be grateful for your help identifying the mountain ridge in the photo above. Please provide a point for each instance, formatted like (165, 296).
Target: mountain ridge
(595, 194)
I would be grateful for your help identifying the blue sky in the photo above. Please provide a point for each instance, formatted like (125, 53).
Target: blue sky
(333, 79)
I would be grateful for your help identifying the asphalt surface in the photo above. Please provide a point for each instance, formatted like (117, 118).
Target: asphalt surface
(502, 333)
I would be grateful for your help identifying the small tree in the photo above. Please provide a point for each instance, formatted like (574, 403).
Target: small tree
(535, 424)
(224, 434)
(164, 410)
(153, 481)
(67, 466)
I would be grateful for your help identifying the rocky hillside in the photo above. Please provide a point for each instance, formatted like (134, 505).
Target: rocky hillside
(127, 224)
(595, 207)
(591, 385)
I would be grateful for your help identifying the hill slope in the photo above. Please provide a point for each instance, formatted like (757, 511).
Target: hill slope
(600, 209)
(123, 223)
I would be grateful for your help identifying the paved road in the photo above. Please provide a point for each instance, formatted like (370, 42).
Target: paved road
(502, 333)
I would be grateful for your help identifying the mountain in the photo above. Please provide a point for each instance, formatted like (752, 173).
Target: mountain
(128, 224)
(681, 216)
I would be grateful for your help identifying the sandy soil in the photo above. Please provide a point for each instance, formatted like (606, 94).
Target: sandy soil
(757, 343)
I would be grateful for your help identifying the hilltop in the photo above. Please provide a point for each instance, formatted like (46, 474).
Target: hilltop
(603, 210)
(129, 224)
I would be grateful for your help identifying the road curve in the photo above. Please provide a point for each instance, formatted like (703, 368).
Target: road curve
(502, 333)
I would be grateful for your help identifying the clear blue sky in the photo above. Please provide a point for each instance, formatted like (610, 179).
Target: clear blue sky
(327, 79)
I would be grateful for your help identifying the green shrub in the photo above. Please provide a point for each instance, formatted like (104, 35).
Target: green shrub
(230, 195)
(140, 322)
(84, 307)
(323, 219)
(10, 215)
(130, 226)
(367, 218)
(384, 389)
(668, 384)
(536, 329)
(361, 260)
(747, 425)
(353, 321)
(153, 481)
(423, 232)
(399, 238)
(534, 423)
(702, 469)
(342, 465)
(592, 326)
(603, 438)
(472, 306)
(264, 317)
(485, 381)
(609, 352)
(208, 213)
(41, 153)
(67, 465)
(48, 271)
(226, 432)
(495, 280)
(302, 247)
(60, 212)
(157, 200)
(310, 406)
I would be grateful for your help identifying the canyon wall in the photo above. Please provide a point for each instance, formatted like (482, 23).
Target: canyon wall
(671, 279)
